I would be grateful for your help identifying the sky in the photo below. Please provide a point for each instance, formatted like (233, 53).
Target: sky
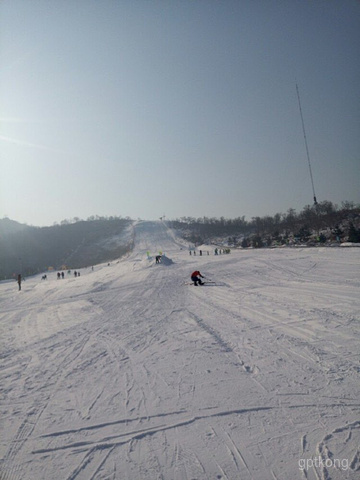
(145, 108)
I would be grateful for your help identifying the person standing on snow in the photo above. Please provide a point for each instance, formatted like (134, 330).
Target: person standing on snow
(19, 280)
(195, 277)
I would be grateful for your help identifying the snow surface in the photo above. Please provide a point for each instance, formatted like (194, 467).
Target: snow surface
(129, 372)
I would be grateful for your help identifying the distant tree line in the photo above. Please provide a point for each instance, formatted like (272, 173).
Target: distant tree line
(92, 218)
(323, 222)
(74, 244)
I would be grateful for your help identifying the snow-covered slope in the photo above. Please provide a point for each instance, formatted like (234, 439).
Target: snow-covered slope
(127, 372)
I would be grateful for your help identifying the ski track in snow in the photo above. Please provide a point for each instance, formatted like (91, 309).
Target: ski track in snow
(129, 372)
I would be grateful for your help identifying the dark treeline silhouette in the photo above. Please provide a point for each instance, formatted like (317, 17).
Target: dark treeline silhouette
(323, 222)
(74, 244)
(8, 226)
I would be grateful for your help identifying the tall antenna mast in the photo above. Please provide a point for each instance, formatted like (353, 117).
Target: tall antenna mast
(306, 145)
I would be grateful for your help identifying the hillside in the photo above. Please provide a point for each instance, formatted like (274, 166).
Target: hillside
(320, 224)
(8, 227)
(128, 372)
(29, 250)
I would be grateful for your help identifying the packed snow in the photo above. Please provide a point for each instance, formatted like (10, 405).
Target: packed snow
(129, 372)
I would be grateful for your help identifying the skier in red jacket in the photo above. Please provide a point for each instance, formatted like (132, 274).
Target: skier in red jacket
(195, 277)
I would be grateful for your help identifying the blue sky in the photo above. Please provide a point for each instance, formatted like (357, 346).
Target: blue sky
(183, 108)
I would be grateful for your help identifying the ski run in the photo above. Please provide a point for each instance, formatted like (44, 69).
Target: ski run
(129, 372)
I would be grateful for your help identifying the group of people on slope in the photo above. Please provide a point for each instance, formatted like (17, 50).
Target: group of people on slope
(195, 276)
